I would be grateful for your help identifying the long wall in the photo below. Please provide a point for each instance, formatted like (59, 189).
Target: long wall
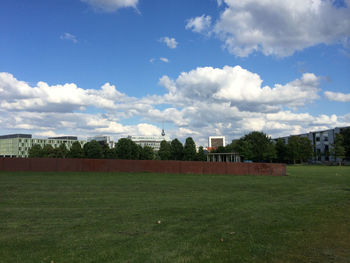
(104, 165)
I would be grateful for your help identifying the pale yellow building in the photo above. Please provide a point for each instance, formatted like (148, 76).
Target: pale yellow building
(18, 145)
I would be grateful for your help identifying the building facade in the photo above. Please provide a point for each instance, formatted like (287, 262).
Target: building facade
(215, 141)
(18, 145)
(322, 142)
(151, 141)
(103, 140)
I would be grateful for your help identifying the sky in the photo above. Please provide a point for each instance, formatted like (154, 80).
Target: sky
(199, 68)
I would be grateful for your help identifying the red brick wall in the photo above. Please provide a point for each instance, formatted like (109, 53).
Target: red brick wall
(174, 167)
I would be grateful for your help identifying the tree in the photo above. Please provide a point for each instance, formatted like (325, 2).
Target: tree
(245, 149)
(176, 150)
(190, 150)
(299, 148)
(35, 151)
(60, 151)
(93, 150)
(281, 151)
(305, 148)
(48, 151)
(146, 153)
(256, 146)
(337, 148)
(164, 150)
(76, 151)
(201, 155)
(127, 149)
(346, 142)
(108, 153)
(293, 149)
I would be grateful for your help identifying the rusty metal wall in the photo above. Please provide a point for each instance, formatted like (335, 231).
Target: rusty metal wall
(172, 167)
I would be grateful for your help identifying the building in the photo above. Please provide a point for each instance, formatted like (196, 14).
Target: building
(102, 140)
(18, 145)
(224, 157)
(322, 142)
(151, 141)
(216, 141)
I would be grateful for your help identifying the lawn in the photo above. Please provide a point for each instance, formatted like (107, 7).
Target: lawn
(109, 217)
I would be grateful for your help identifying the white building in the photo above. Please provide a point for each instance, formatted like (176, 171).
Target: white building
(216, 141)
(18, 145)
(151, 141)
(102, 139)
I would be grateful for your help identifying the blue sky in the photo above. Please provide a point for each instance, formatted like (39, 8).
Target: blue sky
(122, 67)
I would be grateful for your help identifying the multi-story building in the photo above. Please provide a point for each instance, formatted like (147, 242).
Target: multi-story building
(152, 141)
(103, 140)
(322, 142)
(18, 145)
(216, 141)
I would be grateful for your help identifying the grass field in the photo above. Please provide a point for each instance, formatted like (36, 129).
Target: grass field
(87, 217)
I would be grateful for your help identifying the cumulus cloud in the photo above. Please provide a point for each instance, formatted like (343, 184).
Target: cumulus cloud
(111, 5)
(18, 95)
(276, 27)
(70, 37)
(200, 24)
(205, 101)
(241, 88)
(170, 42)
(337, 96)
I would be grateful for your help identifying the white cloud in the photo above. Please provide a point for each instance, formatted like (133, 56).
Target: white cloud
(70, 37)
(200, 24)
(111, 5)
(240, 88)
(205, 101)
(170, 42)
(18, 95)
(276, 27)
(164, 60)
(337, 96)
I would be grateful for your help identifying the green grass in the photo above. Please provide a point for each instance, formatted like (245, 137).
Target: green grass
(90, 217)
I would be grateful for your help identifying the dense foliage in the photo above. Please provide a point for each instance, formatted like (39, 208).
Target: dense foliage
(254, 146)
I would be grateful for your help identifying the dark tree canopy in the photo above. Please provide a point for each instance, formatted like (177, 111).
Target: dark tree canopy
(337, 148)
(281, 151)
(127, 149)
(164, 152)
(305, 149)
(36, 151)
(293, 148)
(61, 151)
(190, 150)
(256, 146)
(346, 142)
(108, 153)
(76, 151)
(201, 156)
(146, 153)
(299, 149)
(48, 151)
(93, 150)
(176, 149)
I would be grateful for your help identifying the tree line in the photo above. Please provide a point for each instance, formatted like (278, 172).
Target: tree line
(258, 147)
(124, 149)
(254, 146)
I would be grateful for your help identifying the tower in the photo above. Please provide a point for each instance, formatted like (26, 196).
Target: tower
(163, 132)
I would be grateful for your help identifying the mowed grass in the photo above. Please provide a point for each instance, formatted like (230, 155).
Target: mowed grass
(102, 217)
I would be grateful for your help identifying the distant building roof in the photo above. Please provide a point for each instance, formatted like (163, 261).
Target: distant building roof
(73, 138)
(11, 136)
